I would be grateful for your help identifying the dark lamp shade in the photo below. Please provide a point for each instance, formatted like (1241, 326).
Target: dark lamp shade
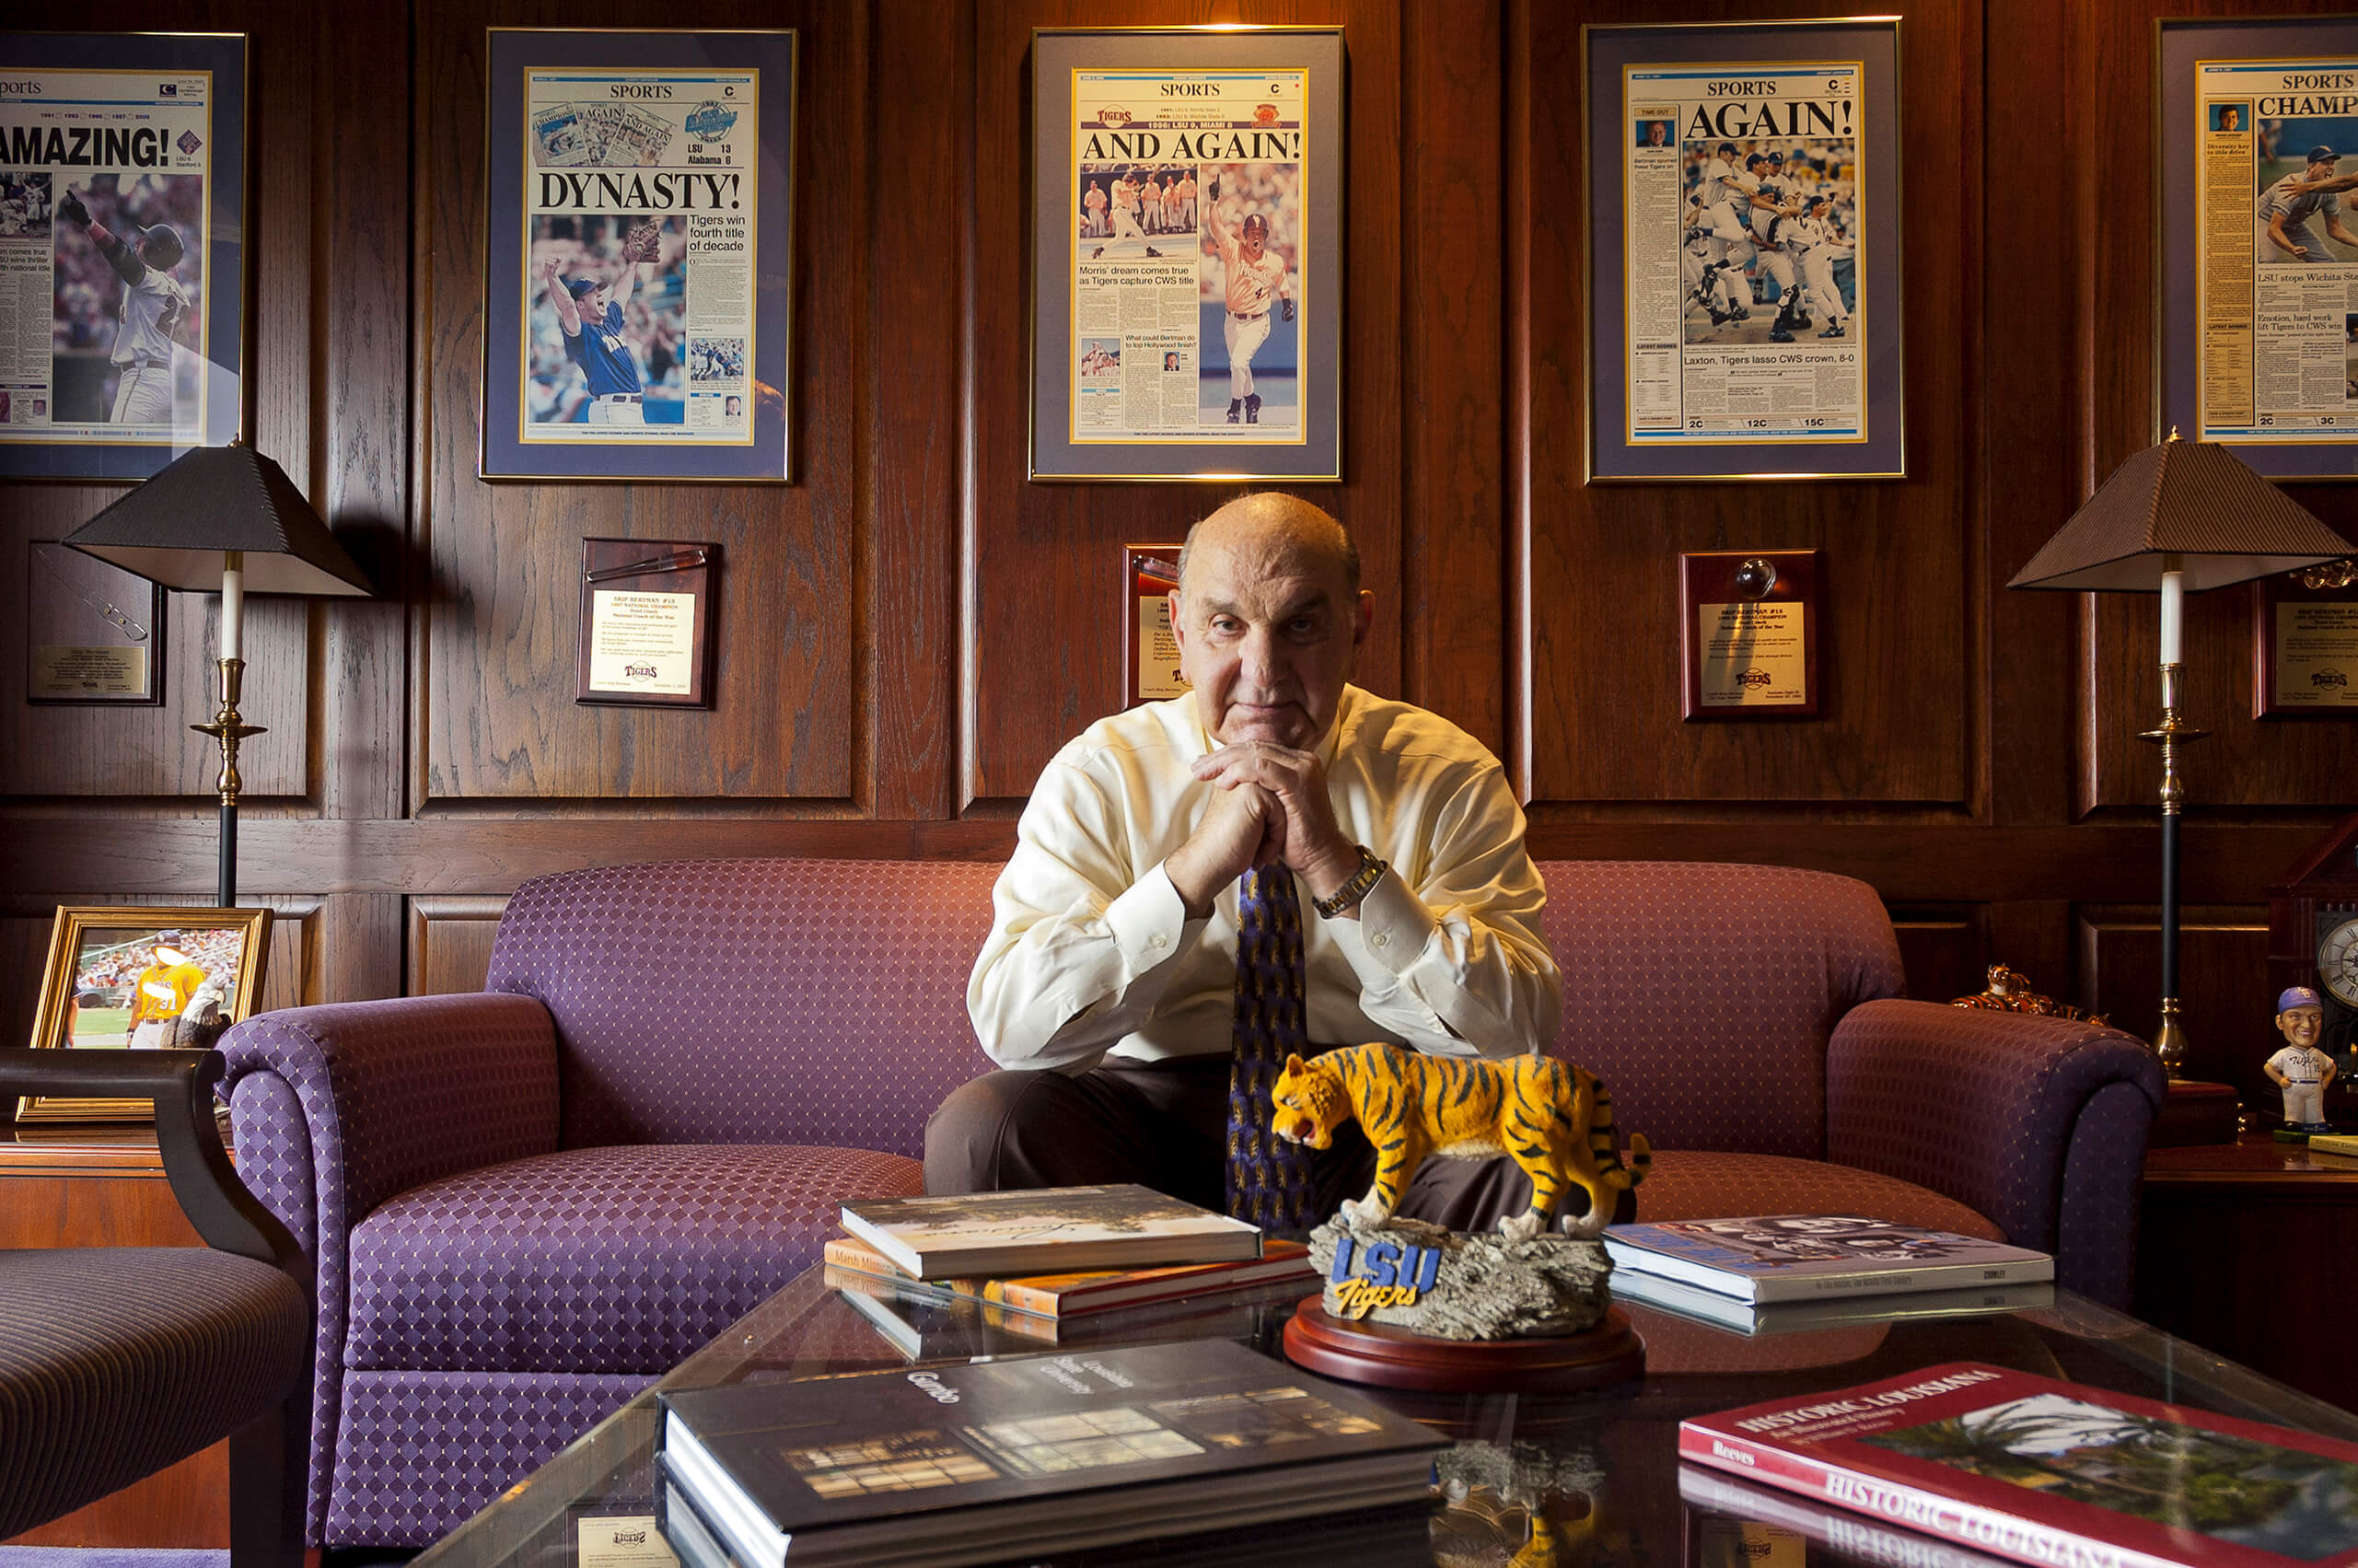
(2194, 500)
(174, 529)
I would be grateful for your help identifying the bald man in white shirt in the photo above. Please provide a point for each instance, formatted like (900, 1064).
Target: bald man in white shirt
(1105, 991)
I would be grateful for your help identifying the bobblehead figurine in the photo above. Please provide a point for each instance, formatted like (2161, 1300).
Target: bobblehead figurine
(2300, 1070)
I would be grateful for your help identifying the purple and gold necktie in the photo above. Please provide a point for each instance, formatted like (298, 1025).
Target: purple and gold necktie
(1268, 1178)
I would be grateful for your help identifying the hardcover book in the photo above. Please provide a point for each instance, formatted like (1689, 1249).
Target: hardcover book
(1824, 1312)
(1768, 1257)
(1030, 1455)
(1096, 1290)
(1051, 1228)
(925, 1324)
(1852, 1537)
(2049, 1472)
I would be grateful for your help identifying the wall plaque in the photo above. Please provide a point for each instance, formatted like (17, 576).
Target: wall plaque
(644, 608)
(2304, 647)
(1150, 655)
(92, 631)
(1747, 634)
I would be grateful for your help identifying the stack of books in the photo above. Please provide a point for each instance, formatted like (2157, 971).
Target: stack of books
(1021, 1457)
(1770, 1273)
(930, 1272)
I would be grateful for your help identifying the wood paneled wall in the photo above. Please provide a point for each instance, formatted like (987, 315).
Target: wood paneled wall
(907, 630)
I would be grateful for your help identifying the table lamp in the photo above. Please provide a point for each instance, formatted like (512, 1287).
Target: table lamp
(225, 520)
(2175, 519)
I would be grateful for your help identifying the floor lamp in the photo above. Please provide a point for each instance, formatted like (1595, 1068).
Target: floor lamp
(225, 520)
(2175, 519)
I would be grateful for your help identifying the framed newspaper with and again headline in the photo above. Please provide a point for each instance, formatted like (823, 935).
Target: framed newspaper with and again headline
(1742, 190)
(638, 255)
(2256, 293)
(123, 218)
(1187, 253)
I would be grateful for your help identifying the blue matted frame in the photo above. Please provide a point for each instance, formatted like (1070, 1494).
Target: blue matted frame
(508, 53)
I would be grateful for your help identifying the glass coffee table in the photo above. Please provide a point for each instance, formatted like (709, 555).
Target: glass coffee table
(1534, 1478)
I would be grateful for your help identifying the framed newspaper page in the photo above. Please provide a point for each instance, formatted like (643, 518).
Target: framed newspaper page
(123, 217)
(2256, 297)
(638, 255)
(1187, 253)
(1742, 188)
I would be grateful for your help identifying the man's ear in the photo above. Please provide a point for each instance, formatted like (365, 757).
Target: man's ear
(1367, 616)
(1178, 616)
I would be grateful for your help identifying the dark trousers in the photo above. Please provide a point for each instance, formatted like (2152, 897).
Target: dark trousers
(1164, 1125)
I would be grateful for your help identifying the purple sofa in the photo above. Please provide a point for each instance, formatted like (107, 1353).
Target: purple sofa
(527, 1204)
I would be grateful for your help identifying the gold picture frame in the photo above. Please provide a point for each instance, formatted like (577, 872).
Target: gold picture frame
(103, 958)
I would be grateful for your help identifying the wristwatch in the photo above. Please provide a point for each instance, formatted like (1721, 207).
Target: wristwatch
(1370, 872)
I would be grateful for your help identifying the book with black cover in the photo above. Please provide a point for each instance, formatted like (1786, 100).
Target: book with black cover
(1030, 1455)
(1045, 1229)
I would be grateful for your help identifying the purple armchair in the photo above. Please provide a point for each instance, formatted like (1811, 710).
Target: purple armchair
(527, 1204)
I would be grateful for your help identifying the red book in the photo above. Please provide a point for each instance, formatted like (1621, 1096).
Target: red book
(2053, 1473)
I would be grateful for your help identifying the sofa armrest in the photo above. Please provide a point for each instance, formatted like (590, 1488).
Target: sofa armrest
(337, 1108)
(2037, 1123)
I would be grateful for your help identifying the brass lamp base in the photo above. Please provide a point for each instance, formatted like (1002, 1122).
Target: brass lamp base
(229, 729)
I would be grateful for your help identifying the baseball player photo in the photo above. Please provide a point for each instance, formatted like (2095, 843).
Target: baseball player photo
(1251, 217)
(2300, 1069)
(2301, 202)
(1125, 193)
(126, 295)
(605, 330)
(1770, 249)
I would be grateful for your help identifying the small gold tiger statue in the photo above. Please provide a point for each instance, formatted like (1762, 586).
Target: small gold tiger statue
(1554, 1120)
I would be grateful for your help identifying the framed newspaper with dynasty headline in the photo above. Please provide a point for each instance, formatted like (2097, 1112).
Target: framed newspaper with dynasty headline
(638, 280)
(122, 220)
(1187, 253)
(1743, 202)
(2256, 297)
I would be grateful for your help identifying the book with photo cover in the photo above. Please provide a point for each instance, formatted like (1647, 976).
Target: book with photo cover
(1090, 1291)
(2048, 1472)
(1815, 1527)
(933, 1326)
(1766, 1258)
(1049, 1229)
(1030, 1455)
(1824, 1312)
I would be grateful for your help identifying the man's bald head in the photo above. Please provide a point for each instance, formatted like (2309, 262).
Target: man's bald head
(1275, 522)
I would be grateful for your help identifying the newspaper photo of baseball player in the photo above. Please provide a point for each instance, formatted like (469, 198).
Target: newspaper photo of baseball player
(1249, 279)
(607, 326)
(2304, 214)
(128, 293)
(1771, 246)
(24, 205)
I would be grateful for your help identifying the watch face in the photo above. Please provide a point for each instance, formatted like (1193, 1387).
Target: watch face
(2338, 960)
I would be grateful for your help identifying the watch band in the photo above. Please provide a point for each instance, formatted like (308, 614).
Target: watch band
(1362, 881)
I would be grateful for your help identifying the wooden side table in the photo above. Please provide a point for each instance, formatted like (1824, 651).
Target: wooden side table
(2250, 1248)
(104, 1187)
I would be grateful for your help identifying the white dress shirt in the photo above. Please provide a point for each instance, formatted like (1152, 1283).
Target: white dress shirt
(1091, 949)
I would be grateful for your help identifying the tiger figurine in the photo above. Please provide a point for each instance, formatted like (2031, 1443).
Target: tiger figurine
(1554, 1120)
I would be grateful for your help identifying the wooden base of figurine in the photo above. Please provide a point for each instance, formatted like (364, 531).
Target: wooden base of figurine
(1390, 1357)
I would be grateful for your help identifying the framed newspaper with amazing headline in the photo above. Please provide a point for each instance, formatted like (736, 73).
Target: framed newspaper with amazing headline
(638, 281)
(2256, 289)
(1742, 192)
(122, 222)
(1187, 253)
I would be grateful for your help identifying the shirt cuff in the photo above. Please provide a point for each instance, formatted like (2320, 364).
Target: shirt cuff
(1148, 922)
(1395, 927)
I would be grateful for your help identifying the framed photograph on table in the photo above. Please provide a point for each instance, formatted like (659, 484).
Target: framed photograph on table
(1742, 187)
(1187, 254)
(122, 209)
(2256, 334)
(638, 255)
(123, 977)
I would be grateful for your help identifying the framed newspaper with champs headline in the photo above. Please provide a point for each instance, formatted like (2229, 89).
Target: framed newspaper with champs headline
(122, 223)
(1742, 192)
(1187, 253)
(638, 255)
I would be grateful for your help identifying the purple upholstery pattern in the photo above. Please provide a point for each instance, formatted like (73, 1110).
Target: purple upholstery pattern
(1704, 995)
(1984, 1105)
(421, 1452)
(667, 979)
(338, 1107)
(2095, 1233)
(609, 1260)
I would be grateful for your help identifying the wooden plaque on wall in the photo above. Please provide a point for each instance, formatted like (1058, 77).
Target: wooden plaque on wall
(1747, 652)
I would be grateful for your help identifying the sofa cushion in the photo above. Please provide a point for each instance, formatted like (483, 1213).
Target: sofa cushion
(619, 1260)
(828, 996)
(1695, 1184)
(1704, 995)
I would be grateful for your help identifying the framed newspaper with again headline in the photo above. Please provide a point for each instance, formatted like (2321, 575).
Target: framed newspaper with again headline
(638, 255)
(1743, 293)
(1187, 253)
